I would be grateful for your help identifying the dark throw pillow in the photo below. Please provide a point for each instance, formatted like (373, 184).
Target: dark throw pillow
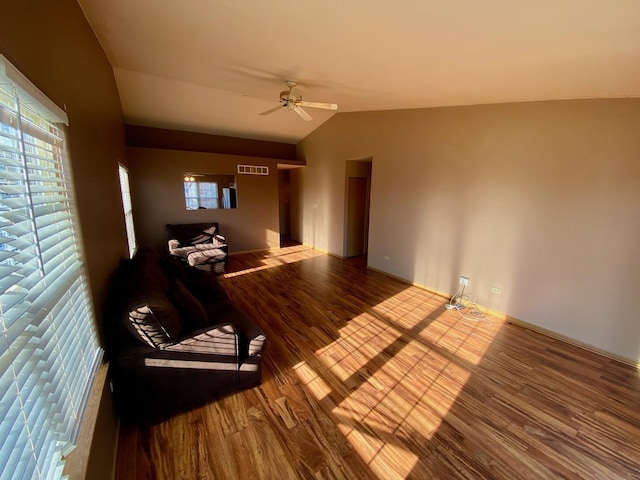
(174, 268)
(151, 317)
(191, 309)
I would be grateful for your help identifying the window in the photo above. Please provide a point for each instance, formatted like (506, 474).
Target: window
(209, 190)
(128, 211)
(48, 347)
(200, 194)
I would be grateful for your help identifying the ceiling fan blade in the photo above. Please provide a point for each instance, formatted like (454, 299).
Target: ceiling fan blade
(326, 106)
(305, 116)
(271, 110)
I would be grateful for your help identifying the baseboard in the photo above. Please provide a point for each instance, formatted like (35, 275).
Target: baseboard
(572, 341)
(257, 250)
(521, 323)
(322, 250)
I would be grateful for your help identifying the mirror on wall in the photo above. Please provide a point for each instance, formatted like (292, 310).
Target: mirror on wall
(209, 190)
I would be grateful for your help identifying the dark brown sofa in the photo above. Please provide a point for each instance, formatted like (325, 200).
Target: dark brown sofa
(181, 342)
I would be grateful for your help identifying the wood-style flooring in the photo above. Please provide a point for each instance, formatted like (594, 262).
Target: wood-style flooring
(368, 377)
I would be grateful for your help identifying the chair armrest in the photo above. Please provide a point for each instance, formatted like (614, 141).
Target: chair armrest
(218, 241)
(218, 340)
(173, 246)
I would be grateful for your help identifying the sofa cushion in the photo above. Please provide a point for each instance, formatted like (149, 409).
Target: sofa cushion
(150, 315)
(204, 286)
(145, 265)
(191, 309)
(172, 267)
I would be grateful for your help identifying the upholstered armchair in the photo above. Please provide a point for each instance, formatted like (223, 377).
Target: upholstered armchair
(199, 245)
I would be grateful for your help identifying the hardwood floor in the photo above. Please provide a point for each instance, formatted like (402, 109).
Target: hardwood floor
(368, 377)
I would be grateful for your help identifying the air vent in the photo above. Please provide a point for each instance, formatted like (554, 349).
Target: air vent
(253, 170)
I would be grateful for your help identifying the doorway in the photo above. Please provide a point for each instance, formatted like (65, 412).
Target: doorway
(358, 193)
(288, 199)
(284, 201)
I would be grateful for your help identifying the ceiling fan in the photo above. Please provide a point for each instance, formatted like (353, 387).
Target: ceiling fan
(292, 100)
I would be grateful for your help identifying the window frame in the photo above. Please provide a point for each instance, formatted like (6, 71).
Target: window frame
(49, 342)
(199, 197)
(127, 208)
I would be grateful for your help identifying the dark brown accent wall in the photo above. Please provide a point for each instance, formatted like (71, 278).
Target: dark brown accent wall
(150, 137)
(54, 46)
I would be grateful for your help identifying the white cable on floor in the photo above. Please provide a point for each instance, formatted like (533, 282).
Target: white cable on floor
(461, 302)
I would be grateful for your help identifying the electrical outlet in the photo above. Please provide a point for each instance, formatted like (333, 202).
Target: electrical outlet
(464, 281)
(496, 290)
(386, 257)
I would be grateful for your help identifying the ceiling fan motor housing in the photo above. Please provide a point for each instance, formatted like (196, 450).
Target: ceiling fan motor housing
(289, 99)
(292, 100)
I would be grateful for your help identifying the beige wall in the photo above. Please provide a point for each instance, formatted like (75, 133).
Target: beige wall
(53, 45)
(158, 197)
(540, 199)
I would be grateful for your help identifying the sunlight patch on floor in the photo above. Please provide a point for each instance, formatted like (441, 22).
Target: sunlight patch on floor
(316, 385)
(386, 460)
(360, 340)
(399, 369)
(277, 257)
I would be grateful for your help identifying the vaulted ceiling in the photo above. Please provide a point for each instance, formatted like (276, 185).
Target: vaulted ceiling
(213, 66)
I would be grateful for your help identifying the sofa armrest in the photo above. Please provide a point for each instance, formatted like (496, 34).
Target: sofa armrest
(254, 335)
(256, 345)
(218, 340)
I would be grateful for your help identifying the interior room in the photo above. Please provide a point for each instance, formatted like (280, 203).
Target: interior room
(425, 226)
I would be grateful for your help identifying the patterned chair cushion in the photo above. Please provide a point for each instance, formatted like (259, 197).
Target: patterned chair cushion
(202, 257)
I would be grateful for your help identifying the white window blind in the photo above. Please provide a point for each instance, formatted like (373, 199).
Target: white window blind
(128, 210)
(49, 349)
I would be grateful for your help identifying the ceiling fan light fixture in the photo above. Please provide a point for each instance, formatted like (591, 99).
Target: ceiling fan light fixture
(292, 100)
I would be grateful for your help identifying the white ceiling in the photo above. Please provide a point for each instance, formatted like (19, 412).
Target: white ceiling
(212, 65)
